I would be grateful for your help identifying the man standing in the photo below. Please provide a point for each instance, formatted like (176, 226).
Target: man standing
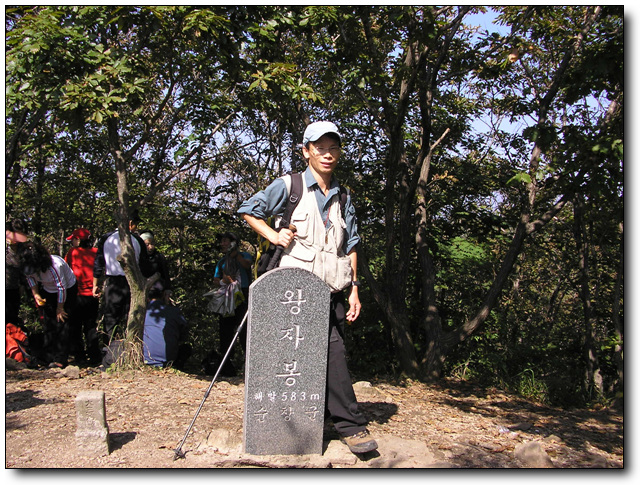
(234, 266)
(157, 261)
(15, 234)
(117, 294)
(83, 321)
(325, 244)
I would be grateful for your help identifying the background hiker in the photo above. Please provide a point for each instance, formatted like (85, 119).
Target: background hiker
(14, 280)
(234, 266)
(165, 331)
(54, 289)
(117, 294)
(83, 322)
(157, 261)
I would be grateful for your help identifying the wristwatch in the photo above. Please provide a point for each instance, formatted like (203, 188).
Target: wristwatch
(355, 283)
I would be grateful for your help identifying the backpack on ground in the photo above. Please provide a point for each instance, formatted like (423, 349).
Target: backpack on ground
(16, 343)
(113, 353)
(266, 250)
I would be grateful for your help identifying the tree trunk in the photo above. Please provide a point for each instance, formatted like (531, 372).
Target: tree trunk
(36, 222)
(137, 282)
(460, 334)
(592, 375)
(434, 357)
(618, 323)
(525, 228)
(390, 298)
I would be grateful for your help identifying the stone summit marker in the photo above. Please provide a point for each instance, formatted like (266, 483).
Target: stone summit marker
(286, 363)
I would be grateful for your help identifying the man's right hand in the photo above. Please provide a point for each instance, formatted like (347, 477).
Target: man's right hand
(279, 238)
(285, 236)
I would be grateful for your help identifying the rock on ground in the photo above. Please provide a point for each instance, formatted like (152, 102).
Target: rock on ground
(224, 448)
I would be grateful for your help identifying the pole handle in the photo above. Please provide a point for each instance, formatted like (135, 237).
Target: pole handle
(275, 260)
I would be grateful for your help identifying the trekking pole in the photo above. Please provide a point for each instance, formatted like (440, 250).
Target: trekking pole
(278, 254)
(178, 451)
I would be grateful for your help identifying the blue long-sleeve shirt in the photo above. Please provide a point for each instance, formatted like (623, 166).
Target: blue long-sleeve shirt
(164, 329)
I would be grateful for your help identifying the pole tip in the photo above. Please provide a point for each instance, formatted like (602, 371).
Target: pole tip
(178, 454)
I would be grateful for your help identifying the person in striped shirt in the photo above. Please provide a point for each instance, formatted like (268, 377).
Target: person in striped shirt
(54, 288)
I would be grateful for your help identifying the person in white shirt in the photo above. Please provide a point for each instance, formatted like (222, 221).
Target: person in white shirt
(117, 294)
(54, 288)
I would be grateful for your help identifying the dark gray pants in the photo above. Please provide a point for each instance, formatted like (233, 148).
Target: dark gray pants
(341, 405)
(117, 297)
(56, 334)
(84, 341)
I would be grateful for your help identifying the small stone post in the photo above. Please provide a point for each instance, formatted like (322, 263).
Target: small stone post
(92, 435)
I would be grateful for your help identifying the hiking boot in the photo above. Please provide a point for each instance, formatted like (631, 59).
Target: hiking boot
(361, 442)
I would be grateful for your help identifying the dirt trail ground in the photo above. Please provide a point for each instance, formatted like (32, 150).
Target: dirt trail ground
(149, 411)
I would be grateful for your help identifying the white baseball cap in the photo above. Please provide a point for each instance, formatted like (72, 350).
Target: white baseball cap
(316, 130)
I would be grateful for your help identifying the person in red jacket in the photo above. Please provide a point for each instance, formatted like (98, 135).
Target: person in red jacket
(83, 321)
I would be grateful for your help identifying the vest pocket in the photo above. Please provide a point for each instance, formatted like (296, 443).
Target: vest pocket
(301, 221)
(345, 273)
(337, 271)
(298, 256)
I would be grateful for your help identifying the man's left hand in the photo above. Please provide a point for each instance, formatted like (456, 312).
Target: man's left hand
(354, 305)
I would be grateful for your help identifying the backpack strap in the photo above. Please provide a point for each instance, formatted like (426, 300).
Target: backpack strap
(294, 188)
(344, 193)
(293, 183)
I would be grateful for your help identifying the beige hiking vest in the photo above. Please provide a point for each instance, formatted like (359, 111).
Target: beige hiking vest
(314, 248)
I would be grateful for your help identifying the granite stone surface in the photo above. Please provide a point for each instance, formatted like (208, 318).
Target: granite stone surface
(92, 434)
(286, 361)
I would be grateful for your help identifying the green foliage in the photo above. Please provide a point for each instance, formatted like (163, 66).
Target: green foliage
(532, 388)
(456, 142)
(463, 251)
(521, 177)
